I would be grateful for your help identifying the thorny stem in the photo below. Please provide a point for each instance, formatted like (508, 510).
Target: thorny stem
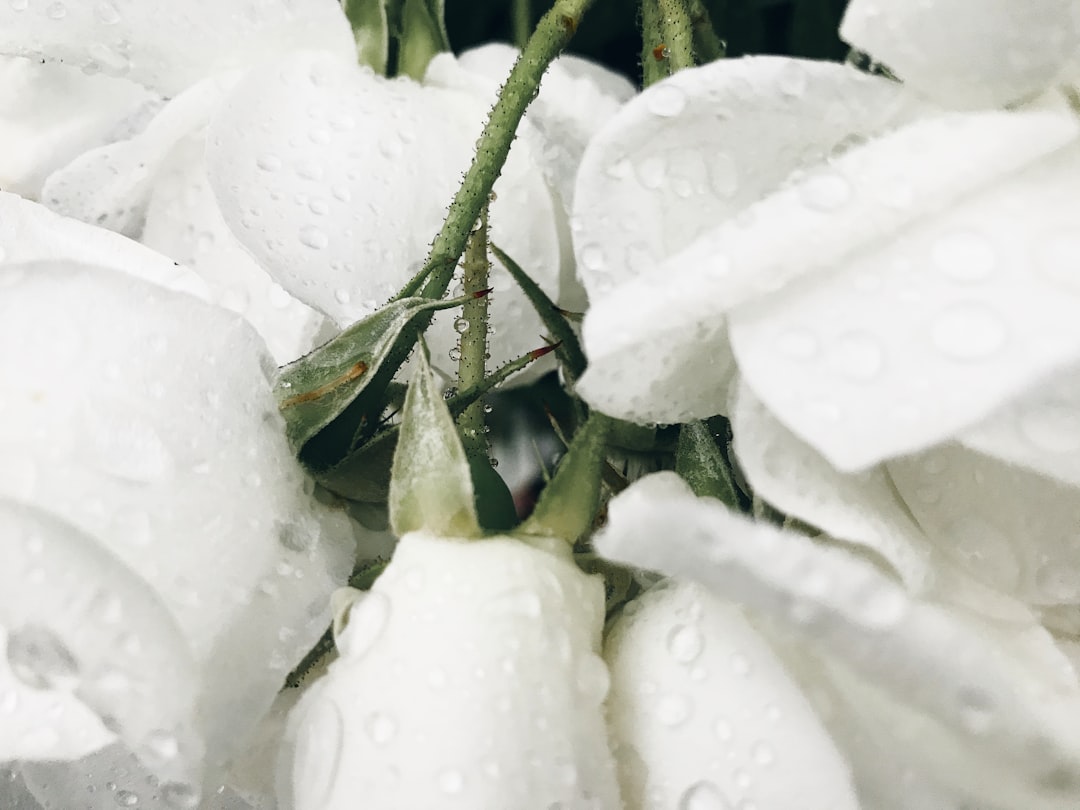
(474, 313)
(677, 34)
(653, 48)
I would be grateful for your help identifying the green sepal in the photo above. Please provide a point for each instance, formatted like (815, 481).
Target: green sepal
(369, 25)
(313, 391)
(702, 465)
(568, 505)
(494, 501)
(569, 350)
(419, 26)
(431, 486)
(363, 473)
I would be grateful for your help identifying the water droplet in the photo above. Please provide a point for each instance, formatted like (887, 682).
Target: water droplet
(792, 78)
(652, 171)
(461, 325)
(856, 356)
(685, 643)
(180, 795)
(342, 296)
(673, 710)
(364, 623)
(299, 536)
(964, 256)
(703, 795)
(40, 660)
(125, 798)
(56, 11)
(592, 258)
(380, 728)
(106, 13)
(969, 332)
(666, 100)
(1052, 427)
(312, 237)
(451, 782)
(825, 191)
(763, 754)
(454, 353)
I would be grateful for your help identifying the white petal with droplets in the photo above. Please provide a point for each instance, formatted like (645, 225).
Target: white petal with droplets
(861, 509)
(968, 53)
(337, 180)
(30, 232)
(700, 146)
(701, 708)
(172, 457)
(459, 652)
(999, 702)
(169, 46)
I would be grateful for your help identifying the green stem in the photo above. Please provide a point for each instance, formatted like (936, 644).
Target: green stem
(474, 314)
(552, 34)
(677, 34)
(653, 61)
(522, 22)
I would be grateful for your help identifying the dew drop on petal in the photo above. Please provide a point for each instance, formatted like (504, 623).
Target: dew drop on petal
(180, 795)
(313, 237)
(56, 11)
(666, 100)
(106, 13)
(380, 727)
(703, 796)
(125, 798)
(969, 332)
(685, 643)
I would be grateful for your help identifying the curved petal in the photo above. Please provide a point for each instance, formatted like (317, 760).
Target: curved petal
(700, 146)
(469, 675)
(988, 707)
(13, 792)
(336, 181)
(30, 232)
(703, 714)
(934, 313)
(183, 222)
(1008, 527)
(1039, 430)
(169, 46)
(109, 186)
(860, 509)
(968, 53)
(50, 113)
(145, 419)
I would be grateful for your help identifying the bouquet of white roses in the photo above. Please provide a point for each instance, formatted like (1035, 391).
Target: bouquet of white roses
(814, 541)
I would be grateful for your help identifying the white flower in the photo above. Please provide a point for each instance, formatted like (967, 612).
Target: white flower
(165, 563)
(469, 675)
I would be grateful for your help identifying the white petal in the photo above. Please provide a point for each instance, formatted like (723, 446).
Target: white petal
(469, 676)
(968, 53)
(991, 707)
(183, 222)
(702, 713)
(1010, 528)
(13, 792)
(30, 232)
(50, 113)
(861, 509)
(169, 46)
(337, 180)
(939, 306)
(1041, 429)
(697, 148)
(109, 186)
(145, 418)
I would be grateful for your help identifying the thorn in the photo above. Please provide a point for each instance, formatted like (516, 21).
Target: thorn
(537, 353)
(483, 292)
(570, 315)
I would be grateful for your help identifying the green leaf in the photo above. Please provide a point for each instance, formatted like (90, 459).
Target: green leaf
(313, 391)
(494, 501)
(701, 464)
(569, 503)
(369, 25)
(420, 29)
(569, 348)
(431, 486)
